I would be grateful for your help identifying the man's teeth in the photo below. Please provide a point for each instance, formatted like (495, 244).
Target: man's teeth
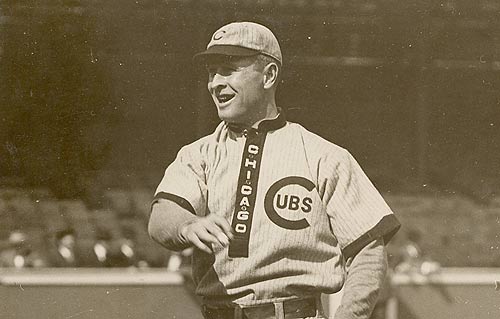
(225, 98)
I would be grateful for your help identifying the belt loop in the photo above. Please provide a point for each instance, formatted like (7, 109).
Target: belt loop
(238, 312)
(279, 310)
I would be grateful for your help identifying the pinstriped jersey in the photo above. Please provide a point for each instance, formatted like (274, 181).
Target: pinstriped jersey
(298, 204)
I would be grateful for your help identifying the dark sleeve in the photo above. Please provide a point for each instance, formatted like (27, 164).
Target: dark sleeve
(166, 220)
(365, 278)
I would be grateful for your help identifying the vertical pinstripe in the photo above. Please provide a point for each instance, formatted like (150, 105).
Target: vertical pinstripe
(282, 263)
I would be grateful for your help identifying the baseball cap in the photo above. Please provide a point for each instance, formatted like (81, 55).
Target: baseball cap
(242, 39)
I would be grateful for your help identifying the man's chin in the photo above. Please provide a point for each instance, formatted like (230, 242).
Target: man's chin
(227, 117)
(234, 122)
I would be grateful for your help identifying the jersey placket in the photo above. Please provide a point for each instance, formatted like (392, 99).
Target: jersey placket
(246, 192)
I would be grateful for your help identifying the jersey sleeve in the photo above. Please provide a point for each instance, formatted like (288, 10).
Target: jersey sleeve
(184, 181)
(358, 213)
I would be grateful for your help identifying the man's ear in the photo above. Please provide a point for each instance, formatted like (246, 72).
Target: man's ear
(270, 72)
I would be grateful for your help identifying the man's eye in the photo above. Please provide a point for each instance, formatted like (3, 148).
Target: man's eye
(222, 70)
(226, 70)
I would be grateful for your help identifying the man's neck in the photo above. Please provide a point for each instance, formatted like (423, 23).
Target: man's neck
(269, 113)
(270, 116)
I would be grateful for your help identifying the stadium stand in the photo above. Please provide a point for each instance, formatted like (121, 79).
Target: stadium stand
(38, 213)
(49, 209)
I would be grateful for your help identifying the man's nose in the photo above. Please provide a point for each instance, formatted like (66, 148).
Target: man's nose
(218, 80)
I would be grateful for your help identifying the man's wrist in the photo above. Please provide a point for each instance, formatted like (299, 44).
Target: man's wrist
(181, 233)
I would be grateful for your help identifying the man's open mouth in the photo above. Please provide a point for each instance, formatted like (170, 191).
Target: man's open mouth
(225, 98)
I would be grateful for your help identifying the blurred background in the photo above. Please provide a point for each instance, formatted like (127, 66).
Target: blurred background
(97, 97)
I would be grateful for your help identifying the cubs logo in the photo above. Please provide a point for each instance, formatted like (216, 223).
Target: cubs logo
(290, 202)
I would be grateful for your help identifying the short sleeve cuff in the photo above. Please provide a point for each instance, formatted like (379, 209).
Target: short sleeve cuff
(176, 199)
(385, 228)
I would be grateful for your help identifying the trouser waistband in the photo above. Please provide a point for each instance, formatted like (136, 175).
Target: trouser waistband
(287, 309)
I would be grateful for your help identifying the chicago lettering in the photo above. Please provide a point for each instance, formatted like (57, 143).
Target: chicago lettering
(246, 190)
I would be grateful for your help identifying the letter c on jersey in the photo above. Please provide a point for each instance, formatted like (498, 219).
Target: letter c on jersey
(269, 202)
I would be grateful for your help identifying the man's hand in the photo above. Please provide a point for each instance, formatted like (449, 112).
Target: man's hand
(206, 231)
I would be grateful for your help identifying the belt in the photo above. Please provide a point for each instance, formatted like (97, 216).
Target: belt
(287, 309)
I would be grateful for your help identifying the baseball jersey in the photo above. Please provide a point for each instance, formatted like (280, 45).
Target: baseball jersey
(299, 206)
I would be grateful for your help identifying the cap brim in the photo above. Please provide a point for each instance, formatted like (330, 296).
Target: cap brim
(223, 50)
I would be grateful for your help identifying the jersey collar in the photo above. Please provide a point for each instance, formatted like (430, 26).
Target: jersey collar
(264, 126)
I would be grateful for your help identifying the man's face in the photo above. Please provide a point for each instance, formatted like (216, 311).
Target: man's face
(237, 88)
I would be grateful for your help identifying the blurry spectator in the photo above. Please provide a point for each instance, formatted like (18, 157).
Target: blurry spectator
(111, 252)
(66, 253)
(179, 260)
(174, 261)
(102, 248)
(411, 258)
(128, 249)
(127, 255)
(19, 254)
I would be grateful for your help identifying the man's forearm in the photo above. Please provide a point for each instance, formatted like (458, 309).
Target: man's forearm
(365, 277)
(165, 222)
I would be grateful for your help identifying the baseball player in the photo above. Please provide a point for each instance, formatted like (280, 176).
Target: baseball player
(277, 215)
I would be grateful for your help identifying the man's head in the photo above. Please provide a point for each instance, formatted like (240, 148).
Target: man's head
(243, 60)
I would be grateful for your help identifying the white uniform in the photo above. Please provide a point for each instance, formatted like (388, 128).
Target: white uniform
(298, 205)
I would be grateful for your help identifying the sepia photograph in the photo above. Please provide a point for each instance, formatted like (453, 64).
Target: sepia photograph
(237, 159)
